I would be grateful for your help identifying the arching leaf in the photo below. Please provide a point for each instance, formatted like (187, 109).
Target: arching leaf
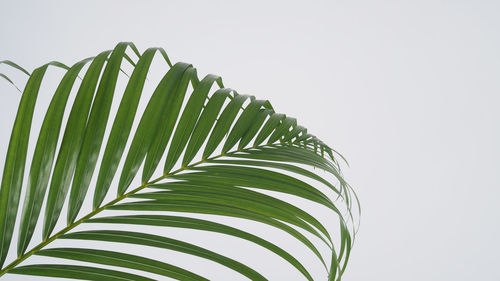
(227, 156)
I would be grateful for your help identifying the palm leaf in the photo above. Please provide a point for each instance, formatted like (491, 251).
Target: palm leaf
(210, 168)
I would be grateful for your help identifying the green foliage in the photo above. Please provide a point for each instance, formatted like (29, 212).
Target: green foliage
(231, 178)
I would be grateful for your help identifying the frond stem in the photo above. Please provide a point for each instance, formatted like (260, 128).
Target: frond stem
(96, 211)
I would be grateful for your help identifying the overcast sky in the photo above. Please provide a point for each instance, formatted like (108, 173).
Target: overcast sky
(408, 91)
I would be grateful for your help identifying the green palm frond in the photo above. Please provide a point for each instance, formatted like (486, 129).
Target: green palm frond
(221, 153)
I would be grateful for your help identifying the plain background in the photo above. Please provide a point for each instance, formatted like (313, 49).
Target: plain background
(408, 91)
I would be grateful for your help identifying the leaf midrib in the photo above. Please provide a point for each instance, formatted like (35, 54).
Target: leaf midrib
(96, 211)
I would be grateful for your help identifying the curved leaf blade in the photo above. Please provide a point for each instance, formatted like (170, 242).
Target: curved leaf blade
(243, 123)
(70, 145)
(77, 272)
(188, 120)
(223, 124)
(268, 128)
(168, 117)
(216, 209)
(13, 172)
(10, 81)
(257, 178)
(146, 130)
(43, 157)
(240, 198)
(254, 128)
(15, 65)
(282, 166)
(166, 243)
(205, 124)
(122, 126)
(94, 132)
(282, 129)
(122, 260)
(199, 224)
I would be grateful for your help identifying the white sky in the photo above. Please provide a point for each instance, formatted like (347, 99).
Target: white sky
(408, 91)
